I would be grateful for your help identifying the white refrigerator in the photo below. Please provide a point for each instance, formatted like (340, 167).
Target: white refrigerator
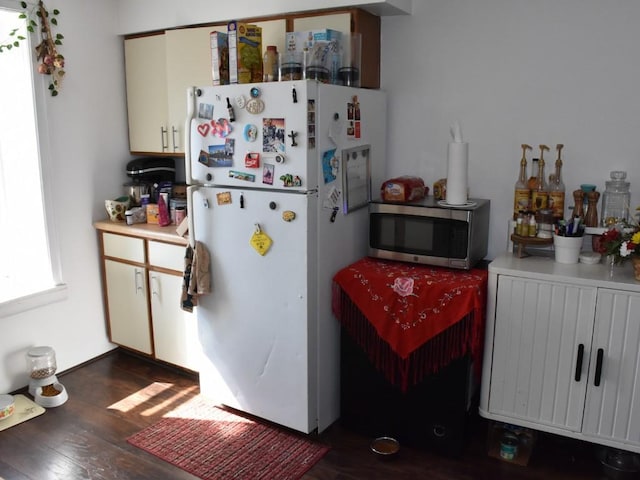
(279, 178)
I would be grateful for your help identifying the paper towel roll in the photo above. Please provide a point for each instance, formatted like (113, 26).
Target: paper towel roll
(457, 164)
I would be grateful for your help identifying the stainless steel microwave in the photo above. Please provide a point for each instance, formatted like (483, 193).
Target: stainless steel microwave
(430, 232)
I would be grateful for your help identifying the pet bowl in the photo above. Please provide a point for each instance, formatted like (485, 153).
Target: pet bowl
(46, 396)
(7, 406)
(116, 208)
(385, 447)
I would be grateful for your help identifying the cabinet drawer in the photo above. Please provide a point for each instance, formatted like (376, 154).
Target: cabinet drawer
(126, 248)
(166, 255)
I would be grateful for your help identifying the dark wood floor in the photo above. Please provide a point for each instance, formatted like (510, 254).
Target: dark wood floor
(119, 394)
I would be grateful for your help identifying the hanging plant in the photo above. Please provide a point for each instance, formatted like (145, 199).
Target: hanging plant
(50, 62)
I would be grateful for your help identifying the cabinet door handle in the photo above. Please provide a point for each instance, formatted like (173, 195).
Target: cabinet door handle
(154, 286)
(138, 284)
(596, 380)
(163, 136)
(174, 130)
(579, 362)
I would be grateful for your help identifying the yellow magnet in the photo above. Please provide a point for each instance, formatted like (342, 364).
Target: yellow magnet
(260, 241)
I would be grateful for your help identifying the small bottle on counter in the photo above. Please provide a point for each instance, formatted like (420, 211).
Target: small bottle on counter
(540, 195)
(533, 227)
(521, 191)
(532, 182)
(556, 189)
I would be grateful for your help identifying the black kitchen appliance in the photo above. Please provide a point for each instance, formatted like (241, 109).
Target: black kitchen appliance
(152, 170)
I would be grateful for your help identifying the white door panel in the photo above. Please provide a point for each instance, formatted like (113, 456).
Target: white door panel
(257, 325)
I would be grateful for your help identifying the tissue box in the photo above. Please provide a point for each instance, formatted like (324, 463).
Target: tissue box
(245, 52)
(219, 58)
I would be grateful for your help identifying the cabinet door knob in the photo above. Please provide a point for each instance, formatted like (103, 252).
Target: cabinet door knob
(599, 358)
(579, 362)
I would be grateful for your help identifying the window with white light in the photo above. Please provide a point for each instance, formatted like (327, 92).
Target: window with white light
(28, 261)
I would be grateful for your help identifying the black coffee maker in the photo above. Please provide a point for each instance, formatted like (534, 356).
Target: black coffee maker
(149, 175)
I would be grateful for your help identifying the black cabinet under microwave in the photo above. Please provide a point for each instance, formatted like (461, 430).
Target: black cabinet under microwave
(430, 232)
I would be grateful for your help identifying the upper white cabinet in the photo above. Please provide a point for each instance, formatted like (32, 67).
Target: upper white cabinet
(562, 350)
(159, 69)
(146, 82)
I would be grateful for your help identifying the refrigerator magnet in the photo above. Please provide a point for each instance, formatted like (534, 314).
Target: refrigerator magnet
(267, 173)
(260, 241)
(255, 106)
(289, 180)
(247, 177)
(241, 101)
(288, 216)
(250, 133)
(252, 160)
(221, 127)
(203, 129)
(223, 198)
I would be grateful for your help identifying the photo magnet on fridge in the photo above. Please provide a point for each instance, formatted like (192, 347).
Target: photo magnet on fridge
(330, 165)
(273, 135)
(219, 156)
(268, 170)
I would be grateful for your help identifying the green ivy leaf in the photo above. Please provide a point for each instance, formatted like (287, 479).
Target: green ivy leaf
(20, 37)
(56, 11)
(59, 36)
(9, 46)
(23, 4)
(16, 43)
(30, 28)
(54, 21)
(57, 42)
(22, 16)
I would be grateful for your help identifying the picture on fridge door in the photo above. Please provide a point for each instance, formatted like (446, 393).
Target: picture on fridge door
(273, 135)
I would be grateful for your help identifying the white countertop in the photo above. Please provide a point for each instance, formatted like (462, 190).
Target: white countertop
(620, 277)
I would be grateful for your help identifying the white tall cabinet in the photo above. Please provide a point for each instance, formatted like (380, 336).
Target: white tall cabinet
(562, 349)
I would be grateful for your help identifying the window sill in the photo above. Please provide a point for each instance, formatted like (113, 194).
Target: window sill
(34, 300)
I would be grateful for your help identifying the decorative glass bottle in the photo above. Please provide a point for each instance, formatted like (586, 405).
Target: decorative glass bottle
(557, 189)
(521, 192)
(540, 196)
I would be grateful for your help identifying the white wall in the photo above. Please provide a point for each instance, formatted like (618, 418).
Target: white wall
(87, 126)
(513, 72)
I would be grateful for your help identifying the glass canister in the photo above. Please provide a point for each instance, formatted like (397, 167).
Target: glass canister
(41, 362)
(615, 200)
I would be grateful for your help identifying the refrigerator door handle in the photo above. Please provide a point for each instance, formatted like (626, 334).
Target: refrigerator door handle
(191, 107)
(191, 214)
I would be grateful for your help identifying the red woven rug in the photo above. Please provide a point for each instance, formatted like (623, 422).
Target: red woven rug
(215, 444)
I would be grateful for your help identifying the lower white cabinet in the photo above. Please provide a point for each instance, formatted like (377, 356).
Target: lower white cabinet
(562, 350)
(142, 289)
(127, 305)
(175, 332)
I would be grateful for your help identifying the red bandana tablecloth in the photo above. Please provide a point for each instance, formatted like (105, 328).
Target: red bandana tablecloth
(411, 307)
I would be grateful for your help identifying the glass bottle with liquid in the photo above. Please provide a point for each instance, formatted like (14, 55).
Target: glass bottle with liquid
(540, 196)
(532, 182)
(557, 189)
(615, 200)
(521, 190)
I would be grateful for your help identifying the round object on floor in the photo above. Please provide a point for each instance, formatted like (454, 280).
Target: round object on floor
(385, 447)
(7, 406)
(46, 396)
